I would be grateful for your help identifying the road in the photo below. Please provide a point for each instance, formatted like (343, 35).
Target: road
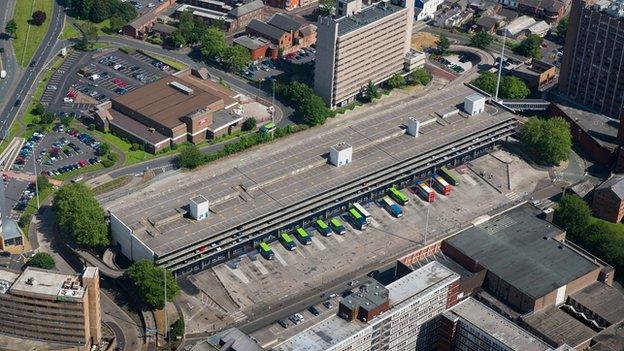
(9, 63)
(29, 76)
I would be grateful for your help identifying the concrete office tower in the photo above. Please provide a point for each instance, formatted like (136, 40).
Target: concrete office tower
(592, 70)
(366, 44)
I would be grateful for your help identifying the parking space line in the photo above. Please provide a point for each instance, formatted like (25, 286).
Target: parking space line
(261, 267)
(318, 244)
(238, 274)
(279, 257)
(338, 237)
(469, 179)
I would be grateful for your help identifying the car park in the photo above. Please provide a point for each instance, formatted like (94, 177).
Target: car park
(314, 311)
(283, 323)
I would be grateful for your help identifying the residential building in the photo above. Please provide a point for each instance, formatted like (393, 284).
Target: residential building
(540, 28)
(516, 28)
(453, 18)
(427, 8)
(362, 45)
(470, 325)
(400, 316)
(549, 10)
(285, 32)
(528, 264)
(57, 309)
(608, 202)
(259, 48)
(537, 74)
(489, 24)
(233, 16)
(594, 57)
(140, 27)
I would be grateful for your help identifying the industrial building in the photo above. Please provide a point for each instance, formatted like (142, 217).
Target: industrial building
(414, 300)
(593, 57)
(60, 310)
(172, 110)
(527, 262)
(295, 185)
(232, 15)
(360, 45)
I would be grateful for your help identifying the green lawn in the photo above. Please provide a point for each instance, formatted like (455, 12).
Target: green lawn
(69, 32)
(178, 66)
(616, 227)
(132, 157)
(89, 168)
(111, 185)
(27, 43)
(31, 208)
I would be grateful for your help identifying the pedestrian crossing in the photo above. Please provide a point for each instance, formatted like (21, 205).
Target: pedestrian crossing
(513, 196)
(238, 316)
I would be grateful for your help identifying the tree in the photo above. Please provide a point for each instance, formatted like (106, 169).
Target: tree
(150, 282)
(190, 157)
(177, 329)
(396, 81)
(486, 82)
(46, 118)
(89, 35)
(313, 111)
(513, 88)
(116, 24)
(572, 214)
(562, 27)
(249, 124)
(443, 44)
(236, 58)
(176, 39)
(420, 76)
(481, 40)
(66, 120)
(80, 215)
(41, 260)
(213, 44)
(103, 149)
(100, 11)
(549, 138)
(530, 46)
(372, 92)
(38, 17)
(38, 110)
(43, 183)
(11, 29)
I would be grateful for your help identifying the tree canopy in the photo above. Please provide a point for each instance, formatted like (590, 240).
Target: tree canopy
(236, 58)
(481, 40)
(486, 82)
(530, 46)
(190, 157)
(150, 282)
(100, 10)
(11, 28)
(309, 107)
(41, 260)
(562, 27)
(420, 76)
(443, 44)
(213, 44)
(396, 81)
(510, 87)
(249, 124)
(549, 138)
(572, 214)
(38, 17)
(80, 215)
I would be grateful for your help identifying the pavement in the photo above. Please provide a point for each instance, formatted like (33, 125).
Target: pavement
(9, 61)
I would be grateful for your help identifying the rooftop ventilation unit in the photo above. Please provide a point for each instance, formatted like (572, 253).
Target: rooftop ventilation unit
(181, 88)
(413, 126)
(340, 154)
(199, 208)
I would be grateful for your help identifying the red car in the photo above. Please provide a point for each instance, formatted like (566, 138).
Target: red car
(72, 94)
(83, 163)
(73, 132)
(120, 82)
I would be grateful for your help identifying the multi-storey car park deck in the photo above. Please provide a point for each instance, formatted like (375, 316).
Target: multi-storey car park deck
(256, 197)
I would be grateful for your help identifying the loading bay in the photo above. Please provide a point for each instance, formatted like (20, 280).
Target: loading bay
(258, 194)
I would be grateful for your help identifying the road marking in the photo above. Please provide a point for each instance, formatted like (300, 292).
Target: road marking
(261, 267)
(238, 274)
(469, 179)
(339, 238)
(280, 258)
(318, 244)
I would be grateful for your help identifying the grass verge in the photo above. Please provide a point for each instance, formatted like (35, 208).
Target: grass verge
(69, 31)
(132, 156)
(31, 209)
(179, 66)
(111, 185)
(75, 172)
(27, 42)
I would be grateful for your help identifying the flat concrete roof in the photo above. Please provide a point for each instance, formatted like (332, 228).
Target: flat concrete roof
(254, 184)
(368, 15)
(421, 280)
(44, 282)
(502, 329)
(602, 299)
(519, 248)
(559, 327)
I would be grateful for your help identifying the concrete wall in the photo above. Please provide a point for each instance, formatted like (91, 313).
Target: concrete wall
(129, 245)
(327, 33)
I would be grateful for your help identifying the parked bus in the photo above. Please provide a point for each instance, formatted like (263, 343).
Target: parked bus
(358, 220)
(425, 191)
(450, 176)
(323, 228)
(398, 196)
(363, 212)
(287, 241)
(265, 251)
(303, 236)
(392, 207)
(268, 128)
(337, 226)
(441, 184)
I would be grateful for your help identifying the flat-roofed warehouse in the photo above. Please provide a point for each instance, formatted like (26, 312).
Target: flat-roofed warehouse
(173, 110)
(254, 195)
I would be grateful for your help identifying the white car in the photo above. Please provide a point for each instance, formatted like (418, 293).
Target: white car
(94, 77)
(150, 5)
(68, 100)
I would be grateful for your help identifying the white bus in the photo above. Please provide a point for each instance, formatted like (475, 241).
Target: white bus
(363, 212)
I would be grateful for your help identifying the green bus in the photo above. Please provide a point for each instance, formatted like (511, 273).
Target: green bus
(287, 241)
(323, 228)
(268, 128)
(358, 220)
(450, 176)
(265, 251)
(337, 226)
(303, 236)
(398, 196)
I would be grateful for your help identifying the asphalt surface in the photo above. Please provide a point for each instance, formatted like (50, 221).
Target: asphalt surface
(9, 63)
(30, 74)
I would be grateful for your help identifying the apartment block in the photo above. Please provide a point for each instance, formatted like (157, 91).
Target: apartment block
(593, 56)
(360, 45)
(58, 309)
(400, 316)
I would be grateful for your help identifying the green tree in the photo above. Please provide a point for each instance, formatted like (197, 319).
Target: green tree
(443, 44)
(43, 183)
(562, 27)
(38, 17)
(420, 76)
(249, 124)
(46, 118)
(116, 24)
(372, 92)
(150, 282)
(80, 215)
(186, 26)
(513, 88)
(100, 11)
(38, 110)
(481, 40)
(236, 58)
(549, 138)
(176, 39)
(177, 329)
(190, 157)
(396, 81)
(41, 260)
(11, 29)
(213, 44)
(572, 214)
(313, 111)
(89, 35)
(103, 149)
(486, 82)
(530, 46)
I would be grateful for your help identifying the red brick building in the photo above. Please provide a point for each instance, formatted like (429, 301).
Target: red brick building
(608, 202)
(284, 31)
(259, 48)
(141, 26)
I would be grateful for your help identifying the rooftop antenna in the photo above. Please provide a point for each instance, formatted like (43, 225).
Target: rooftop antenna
(500, 65)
